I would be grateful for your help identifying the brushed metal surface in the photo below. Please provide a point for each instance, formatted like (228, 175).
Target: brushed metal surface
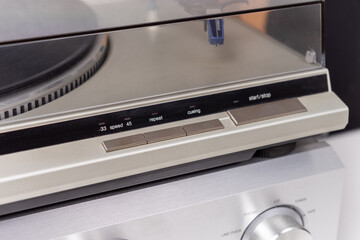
(123, 183)
(41, 171)
(202, 127)
(164, 134)
(266, 111)
(124, 142)
(213, 206)
(40, 18)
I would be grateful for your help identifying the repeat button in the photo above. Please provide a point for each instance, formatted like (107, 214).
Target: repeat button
(164, 134)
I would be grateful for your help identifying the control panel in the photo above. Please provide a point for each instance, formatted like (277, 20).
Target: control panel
(141, 117)
(239, 116)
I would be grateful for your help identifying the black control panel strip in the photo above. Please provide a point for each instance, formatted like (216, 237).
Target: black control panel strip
(126, 120)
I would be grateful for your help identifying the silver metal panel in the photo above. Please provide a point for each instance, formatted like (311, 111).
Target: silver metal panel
(172, 62)
(41, 18)
(44, 171)
(214, 206)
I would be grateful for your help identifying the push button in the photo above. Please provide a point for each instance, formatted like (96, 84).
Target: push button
(164, 134)
(124, 142)
(265, 111)
(161, 135)
(201, 127)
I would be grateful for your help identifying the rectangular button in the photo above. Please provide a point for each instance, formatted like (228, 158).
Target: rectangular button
(266, 111)
(164, 134)
(125, 142)
(202, 127)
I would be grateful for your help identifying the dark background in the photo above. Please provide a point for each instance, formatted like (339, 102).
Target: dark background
(342, 44)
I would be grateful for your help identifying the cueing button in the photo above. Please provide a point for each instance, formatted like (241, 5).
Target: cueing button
(164, 134)
(266, 111)
(124, 142)
(201, 127)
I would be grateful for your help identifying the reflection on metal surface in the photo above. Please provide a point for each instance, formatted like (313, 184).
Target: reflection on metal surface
(41, 18)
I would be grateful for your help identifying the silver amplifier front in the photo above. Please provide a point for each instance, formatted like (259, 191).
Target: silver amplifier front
(293, 197)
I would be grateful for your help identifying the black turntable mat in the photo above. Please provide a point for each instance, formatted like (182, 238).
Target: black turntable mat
(28, 64)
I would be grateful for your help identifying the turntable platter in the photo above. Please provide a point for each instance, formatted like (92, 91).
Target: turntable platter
(27, 64)
(34, 74)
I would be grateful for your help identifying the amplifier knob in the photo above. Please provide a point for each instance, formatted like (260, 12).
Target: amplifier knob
(279, 223)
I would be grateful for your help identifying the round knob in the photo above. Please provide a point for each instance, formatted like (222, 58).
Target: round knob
(279, 223)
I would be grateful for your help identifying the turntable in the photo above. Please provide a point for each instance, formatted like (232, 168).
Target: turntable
(94, 107)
